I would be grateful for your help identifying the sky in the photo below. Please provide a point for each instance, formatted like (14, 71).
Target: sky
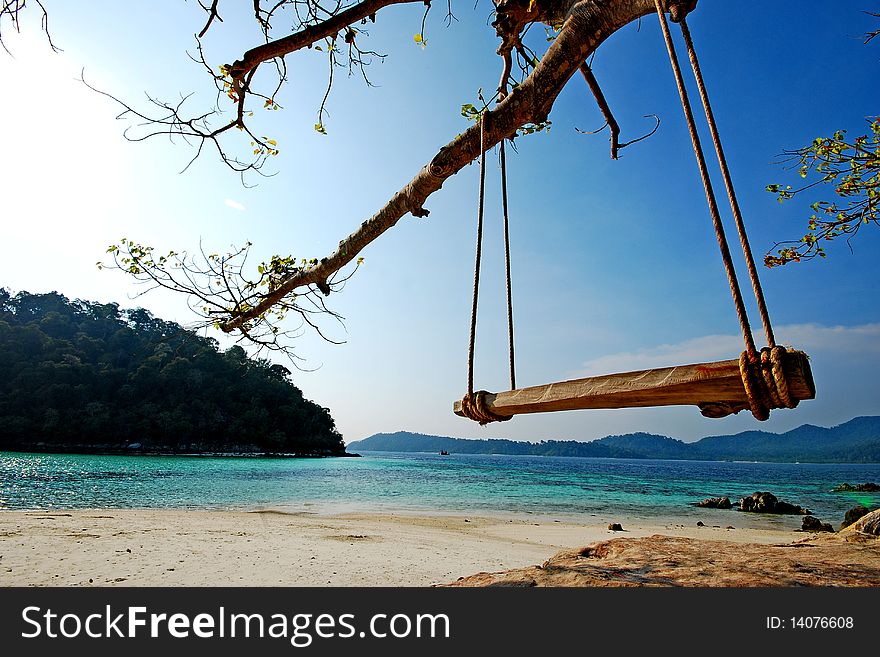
(615, 265)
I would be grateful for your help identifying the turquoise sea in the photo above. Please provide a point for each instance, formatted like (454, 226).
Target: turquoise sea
(418, 483)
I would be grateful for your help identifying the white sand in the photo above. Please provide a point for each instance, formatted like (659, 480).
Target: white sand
(161, 547)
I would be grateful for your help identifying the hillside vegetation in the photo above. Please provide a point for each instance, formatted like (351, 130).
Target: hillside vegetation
(79, 375)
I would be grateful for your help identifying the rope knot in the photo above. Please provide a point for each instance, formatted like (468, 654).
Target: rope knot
(474, 407)
(764, 380)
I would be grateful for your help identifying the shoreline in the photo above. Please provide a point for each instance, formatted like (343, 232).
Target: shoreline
(85, 450)
(103, 450)
(276, 547)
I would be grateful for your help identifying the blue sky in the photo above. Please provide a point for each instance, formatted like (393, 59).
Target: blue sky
(615, 263)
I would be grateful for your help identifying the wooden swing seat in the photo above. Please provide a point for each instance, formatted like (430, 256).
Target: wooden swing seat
(775, 377)
(717, 388)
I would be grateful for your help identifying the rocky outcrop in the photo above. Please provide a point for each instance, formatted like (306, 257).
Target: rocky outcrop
(847, 558)
(764, 502)
(868, 487)
(868, 524)
(854, 514)
(715, 503)
(811, 524)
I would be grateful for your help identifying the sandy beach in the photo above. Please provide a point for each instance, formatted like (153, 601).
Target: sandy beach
(165, 547)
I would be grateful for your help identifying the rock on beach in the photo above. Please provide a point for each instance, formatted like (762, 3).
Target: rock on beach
(764, 502)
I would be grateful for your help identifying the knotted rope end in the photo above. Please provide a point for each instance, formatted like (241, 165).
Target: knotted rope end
(764, 379)
(475, 407)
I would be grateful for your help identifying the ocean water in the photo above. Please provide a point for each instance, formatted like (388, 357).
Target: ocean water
(604, 489)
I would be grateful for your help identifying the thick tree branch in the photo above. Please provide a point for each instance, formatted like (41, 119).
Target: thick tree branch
(587, 24)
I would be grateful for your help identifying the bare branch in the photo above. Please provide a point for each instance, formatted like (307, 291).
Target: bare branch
(873, 33)
(212, 14)
(610, 121)
(194, 130)
(309, 35)
(12, 10)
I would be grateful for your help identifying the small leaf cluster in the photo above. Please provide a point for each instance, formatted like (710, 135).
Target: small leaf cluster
(470, 112)
(265, 147)
(228, 87)
(532, 128)
(853, 168)
(135, 258)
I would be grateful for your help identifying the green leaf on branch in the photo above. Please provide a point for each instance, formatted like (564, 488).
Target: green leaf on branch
(852, 169)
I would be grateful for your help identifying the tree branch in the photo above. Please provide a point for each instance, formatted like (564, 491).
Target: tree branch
(610, 121)
(309, 35)
(587, 25)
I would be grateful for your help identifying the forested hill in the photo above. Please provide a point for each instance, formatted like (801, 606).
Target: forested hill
(85, 376)
(856, 441)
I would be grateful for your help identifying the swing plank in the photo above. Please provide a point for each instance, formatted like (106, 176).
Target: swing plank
(716, 388)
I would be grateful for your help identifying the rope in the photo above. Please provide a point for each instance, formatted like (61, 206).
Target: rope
(507, 269)
(707, 185)
(763, 374)
(728, 183)
(473, 405)
(777, 362)
(479, 249)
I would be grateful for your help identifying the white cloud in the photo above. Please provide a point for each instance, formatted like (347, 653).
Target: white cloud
(843, 342)
(862, 339)
(235, 205)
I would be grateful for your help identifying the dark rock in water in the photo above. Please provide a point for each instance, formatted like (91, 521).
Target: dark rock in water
(615, 527)
(868, 487)
(811, 524)
(792, 509)
(758, 502)
(764, 502)
(854, 514)
(715, 503)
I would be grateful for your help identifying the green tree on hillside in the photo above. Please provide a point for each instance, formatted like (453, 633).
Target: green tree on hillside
(84, 375)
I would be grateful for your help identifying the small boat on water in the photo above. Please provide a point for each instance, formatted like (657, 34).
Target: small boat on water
(443, 452)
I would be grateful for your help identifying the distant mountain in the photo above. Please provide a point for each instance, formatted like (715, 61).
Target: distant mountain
(856, 441)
